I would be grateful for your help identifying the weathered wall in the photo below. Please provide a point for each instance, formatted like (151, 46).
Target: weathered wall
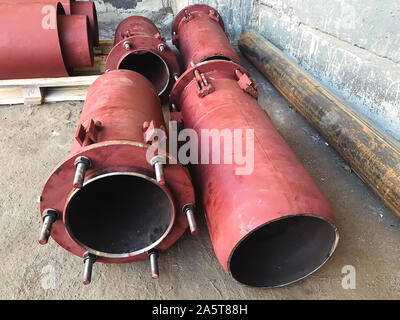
(353, 46)
(112, 12)
(236, 13)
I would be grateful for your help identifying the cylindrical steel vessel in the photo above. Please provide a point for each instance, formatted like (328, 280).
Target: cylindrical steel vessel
(109, 199)
(75, 41)
(46, 44)
(139, 47)
(198, 32)
(66, 5)
(87, 8)
(269, 226)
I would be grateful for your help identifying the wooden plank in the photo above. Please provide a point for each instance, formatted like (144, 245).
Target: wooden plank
(32, 95)
(66, 94)
(37, 91)
(105, 47)
(49, 82)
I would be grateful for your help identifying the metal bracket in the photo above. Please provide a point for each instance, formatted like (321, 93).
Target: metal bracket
(87, 132)
(247, 83)
(159, 37)
(214, 15)
(205, 88)
(188, 16)
(149, 132)
(125, 35)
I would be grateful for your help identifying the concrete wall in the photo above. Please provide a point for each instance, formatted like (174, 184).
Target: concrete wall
(353, 46)
(236, 13)
(112, 12)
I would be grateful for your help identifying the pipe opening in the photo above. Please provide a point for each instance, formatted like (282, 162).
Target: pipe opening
(283, 251)
(119, 215)
(150, 65)
(217, 57)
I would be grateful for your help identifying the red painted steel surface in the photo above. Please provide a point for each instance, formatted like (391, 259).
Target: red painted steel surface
(148, 53)
(198, 32)
(28, 50)
(118, 103)
(238, 206)
(87, 8)
(135, 26)
(44, 45)
(66, 5)
(76, 41)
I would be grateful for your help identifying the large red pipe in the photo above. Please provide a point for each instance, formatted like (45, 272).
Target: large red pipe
(140, 47)
(46, 44)
(198, 32)
(105, 197)
(270, 226)
(86, 8)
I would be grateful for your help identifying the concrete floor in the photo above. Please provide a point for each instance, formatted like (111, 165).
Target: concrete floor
(34, 139)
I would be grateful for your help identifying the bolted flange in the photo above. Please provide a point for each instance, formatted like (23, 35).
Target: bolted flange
(158, 163)
(82, 164)
(89, 260)
(153, 254)
(49, 217)
(189, 210)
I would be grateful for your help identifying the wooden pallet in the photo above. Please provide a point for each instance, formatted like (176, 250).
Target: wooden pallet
(42, 90)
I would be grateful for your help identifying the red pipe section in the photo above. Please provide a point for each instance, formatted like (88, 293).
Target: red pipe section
(46, 44)
(273, 226)
(66, 5)
(75, 41)
(198, 32)
(87, 8)
(120, 211)
(139, 47)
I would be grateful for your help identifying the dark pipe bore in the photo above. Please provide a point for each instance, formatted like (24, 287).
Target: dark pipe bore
(283, 251)
(150, 65)
(217, 57)
(119, 214)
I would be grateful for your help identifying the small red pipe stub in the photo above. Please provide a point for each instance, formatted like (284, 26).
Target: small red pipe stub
(198, 32)
(138, 46)
(146, 58)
